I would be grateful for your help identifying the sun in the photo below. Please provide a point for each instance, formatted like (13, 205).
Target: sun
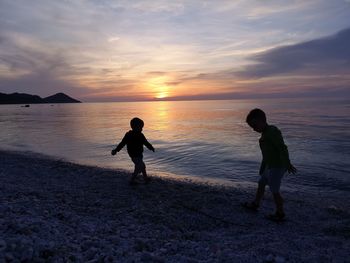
(162, 95)
(159, 87)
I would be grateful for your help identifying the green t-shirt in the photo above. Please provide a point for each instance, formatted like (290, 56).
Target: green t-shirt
(274, 151)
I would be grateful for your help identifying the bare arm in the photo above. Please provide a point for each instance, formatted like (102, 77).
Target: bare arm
(278, 142)
(120, 145)
(148, 145)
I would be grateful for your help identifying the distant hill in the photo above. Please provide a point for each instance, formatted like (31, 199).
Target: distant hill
(60, 98)
(22, 98)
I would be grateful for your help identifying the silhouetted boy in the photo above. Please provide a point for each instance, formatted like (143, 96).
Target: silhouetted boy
(275, 162)
(134, 141)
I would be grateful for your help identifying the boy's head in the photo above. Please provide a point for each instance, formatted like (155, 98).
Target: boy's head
(136, 124)
(257, 120)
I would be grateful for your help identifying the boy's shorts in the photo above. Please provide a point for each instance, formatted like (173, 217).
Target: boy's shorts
(272, 177)
(139, 164)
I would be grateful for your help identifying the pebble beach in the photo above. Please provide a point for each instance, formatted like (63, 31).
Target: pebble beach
(52, 210)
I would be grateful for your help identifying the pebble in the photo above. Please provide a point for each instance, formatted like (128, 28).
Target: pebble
(269, 258)
(279, 259)
(3, 245)
(146, 257)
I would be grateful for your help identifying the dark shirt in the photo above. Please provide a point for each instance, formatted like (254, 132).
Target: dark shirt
(274, 151)
(134, 142)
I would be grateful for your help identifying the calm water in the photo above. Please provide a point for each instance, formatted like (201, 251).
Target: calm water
(199, 139)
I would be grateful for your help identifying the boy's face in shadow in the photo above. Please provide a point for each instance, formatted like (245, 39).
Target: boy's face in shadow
(257, 125)
(137, 128)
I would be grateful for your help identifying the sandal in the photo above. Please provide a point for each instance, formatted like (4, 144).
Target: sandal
(277, 217)
(133, 182)
(148, 180)
(250, 206)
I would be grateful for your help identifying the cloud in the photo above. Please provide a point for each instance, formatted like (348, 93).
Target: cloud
(113, 39)
(41, 82)
(115, 48)
(156, 73)
(172, 83)
(175, 7)
(28, 67)
(326, 55)
(319, 67)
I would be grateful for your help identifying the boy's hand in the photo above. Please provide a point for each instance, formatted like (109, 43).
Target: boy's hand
(291, 169)
(150, 147)
(114, 152)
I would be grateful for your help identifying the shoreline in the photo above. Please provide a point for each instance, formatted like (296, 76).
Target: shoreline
(56, 210)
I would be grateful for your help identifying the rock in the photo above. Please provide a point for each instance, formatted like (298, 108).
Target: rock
(279, 259)
(90, 254)
(124, 234)
(89, 244)
(72, 258)
(146, 257)
(3, 245)
(47, 253)
(335, 210)
(163, 250)
(9, 257)
(269, 258)
(108, 259)
(141, 245)
(27, 254)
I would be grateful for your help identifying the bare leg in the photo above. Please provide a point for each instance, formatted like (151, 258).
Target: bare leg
(259, 194)
(144, 173)
(133, 178)
(279, 203)
(134, 175)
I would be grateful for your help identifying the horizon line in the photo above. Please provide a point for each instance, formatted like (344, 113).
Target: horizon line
(217, 99)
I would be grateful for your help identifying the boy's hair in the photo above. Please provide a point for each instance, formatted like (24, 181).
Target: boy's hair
(256, 114)
(136, 122)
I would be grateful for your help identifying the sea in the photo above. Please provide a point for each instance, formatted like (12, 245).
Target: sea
(204, 140)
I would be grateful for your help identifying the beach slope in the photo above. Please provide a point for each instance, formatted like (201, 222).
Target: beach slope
(52, 210)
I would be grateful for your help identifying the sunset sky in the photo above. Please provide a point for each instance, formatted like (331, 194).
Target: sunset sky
(110, 50)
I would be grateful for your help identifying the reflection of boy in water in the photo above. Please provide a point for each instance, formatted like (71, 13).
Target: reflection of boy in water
(134, 141)
(275, 162)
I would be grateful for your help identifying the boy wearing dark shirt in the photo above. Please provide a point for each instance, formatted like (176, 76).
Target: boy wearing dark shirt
(275, 162)
(134, 141)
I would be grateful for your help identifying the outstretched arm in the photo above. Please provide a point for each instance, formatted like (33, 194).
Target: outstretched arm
(292, 169)
(120, 145)
(148, 145)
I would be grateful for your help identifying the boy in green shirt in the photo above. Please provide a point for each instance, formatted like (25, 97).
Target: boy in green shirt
(275, 162)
